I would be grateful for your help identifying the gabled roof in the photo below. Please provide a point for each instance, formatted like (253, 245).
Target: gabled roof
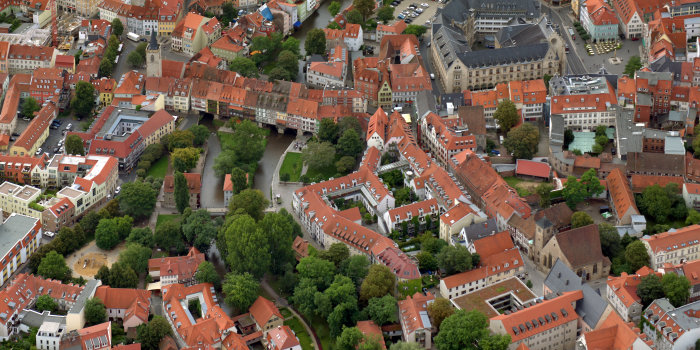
(581, 246)
(413, 312)
(532, 168)
(620, 193)
(371, 330)
(262, 311)
(282, 338)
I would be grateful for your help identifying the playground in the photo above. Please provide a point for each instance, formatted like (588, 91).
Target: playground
(88, 260)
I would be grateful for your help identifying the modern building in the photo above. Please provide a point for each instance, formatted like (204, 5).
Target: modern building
(584, 102)
(124, 134)
(21, 236)
(49, 335)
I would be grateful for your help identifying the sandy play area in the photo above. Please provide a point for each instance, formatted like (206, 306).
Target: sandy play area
(88, 260)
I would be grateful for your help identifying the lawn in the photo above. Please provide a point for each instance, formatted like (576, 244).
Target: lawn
(166, 217)
(524, 188)
(159, 168)
(410, 287)
(300, 332)
(291, 165)
(317, 175)
(285, 312)
(320, 326)
(226, 140)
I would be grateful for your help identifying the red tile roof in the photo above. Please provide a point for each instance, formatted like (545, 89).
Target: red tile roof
(674, 240)
(371, 330)
(640, 182)
(620, 192)
(614, 334)
(532, 168)
(410, 310)
(282, 338)
(38, 125)
(262, 311)
(183, 266)
(194, 183)
(135, 302)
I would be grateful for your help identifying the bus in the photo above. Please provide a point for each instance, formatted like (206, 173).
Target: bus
(132, 36)
(571, 32)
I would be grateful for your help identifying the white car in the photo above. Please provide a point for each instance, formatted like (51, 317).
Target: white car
(39, 151)
(116, 192)
(49, 234)
(419, 10)
(425, 5)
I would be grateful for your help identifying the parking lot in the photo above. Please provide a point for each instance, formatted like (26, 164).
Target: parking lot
(421, 18)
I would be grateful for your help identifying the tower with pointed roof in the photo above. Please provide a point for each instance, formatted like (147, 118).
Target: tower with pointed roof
(153, 59)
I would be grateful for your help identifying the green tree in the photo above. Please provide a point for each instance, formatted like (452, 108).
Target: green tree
(54, 266)
(206, 273)
(106, 67)
(365, 7)
(405, 346)
(135, 256)
(650, 289)
(415, 29)
(506, 115)
(350, 144)
(289, 61)
(344, 314)
(142, 236)
(29, 106)
(135, 60)
(379, 282)
(122, 276)
(248, 248)
(328, 130)
(103, 275)
(544, 190)
(252, 201)
(336, 253)
(580, 219)
(74, 145)
(137, 199)
(318, 272)
(356, 267)
(431, 244)
(239, 180)
(439, 310)
(243, 66)
(279, 73)
(201, 134)
(454, 259)
(179, 139)
(427, 261)
(574, 192)
(655, 202)
(117, 27)
(522, 141)
(168, 236)
(95, 312)
(345, 164)
(248, 141)
(84, 100)
(199, 230)
(334, 25)
(46, 303)
(184, 159)
(693, 217)
(383, 310)
(469, 330)
(334, 8)
(609, 240)
(676, 289)
(150, 334)
(636, 255)
(351, 337)
(240, 290)
(291, 44)
(385, 14)
(181, 192)
(225, 162)
(318, 155)
(346, 123)
(633, 65)
(315, 43)
(280, 229)
(354, 16)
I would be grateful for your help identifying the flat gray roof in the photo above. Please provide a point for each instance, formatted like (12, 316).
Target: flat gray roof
(13, 230)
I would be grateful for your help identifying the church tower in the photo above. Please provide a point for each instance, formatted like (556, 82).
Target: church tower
(153, 60)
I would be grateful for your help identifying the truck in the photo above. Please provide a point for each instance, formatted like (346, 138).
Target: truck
(133, 36)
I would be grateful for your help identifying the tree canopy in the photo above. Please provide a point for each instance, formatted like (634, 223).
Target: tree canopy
(29, 106)
(74, 145)
(252, 201)
(117, 27)
(240, 290)
(95, 312)
(334, 8)
(315, 43)
(650, 289)
(580, 219)
(181, 192)
(439, 310)
(137, 199)
(506, 115)
(379, 282)
(318, 155)
(454, 259)
(54, 266)
(636, 255)
(522, 141)
(84, 100)
(468, 330)
(243, 66)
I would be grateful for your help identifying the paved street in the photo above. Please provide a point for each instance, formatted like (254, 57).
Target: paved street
(533, 274)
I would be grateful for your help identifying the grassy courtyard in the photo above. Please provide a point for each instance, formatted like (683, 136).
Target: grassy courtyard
(159, 168)
(291, 166)
(409, 288)
(166, 217)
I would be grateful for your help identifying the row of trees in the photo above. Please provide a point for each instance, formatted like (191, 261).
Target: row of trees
(110, 54)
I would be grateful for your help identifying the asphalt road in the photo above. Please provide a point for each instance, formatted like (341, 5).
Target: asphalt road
(559, 16)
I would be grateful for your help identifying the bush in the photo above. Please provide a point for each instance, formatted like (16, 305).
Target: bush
(284, 177)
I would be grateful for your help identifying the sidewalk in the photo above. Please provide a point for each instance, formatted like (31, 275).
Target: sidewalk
(283, 302)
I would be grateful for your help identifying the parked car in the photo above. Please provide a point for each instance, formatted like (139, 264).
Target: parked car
(55, 149)
(69, 127)
(116, 192)
(39, 151)
(419, 10)
(48, 234)
(496, 152)
(425, 4)
(401, 16)
(12, 138)
(15, 134)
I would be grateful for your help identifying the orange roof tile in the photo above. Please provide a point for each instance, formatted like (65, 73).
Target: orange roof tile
(620, 192)
(262, 311)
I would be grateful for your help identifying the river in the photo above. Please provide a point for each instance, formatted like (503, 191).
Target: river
(276, 144)
(319, 19)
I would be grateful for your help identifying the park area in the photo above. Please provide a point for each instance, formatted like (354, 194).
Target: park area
(291, 167)
(159, 168)
(524, 187)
